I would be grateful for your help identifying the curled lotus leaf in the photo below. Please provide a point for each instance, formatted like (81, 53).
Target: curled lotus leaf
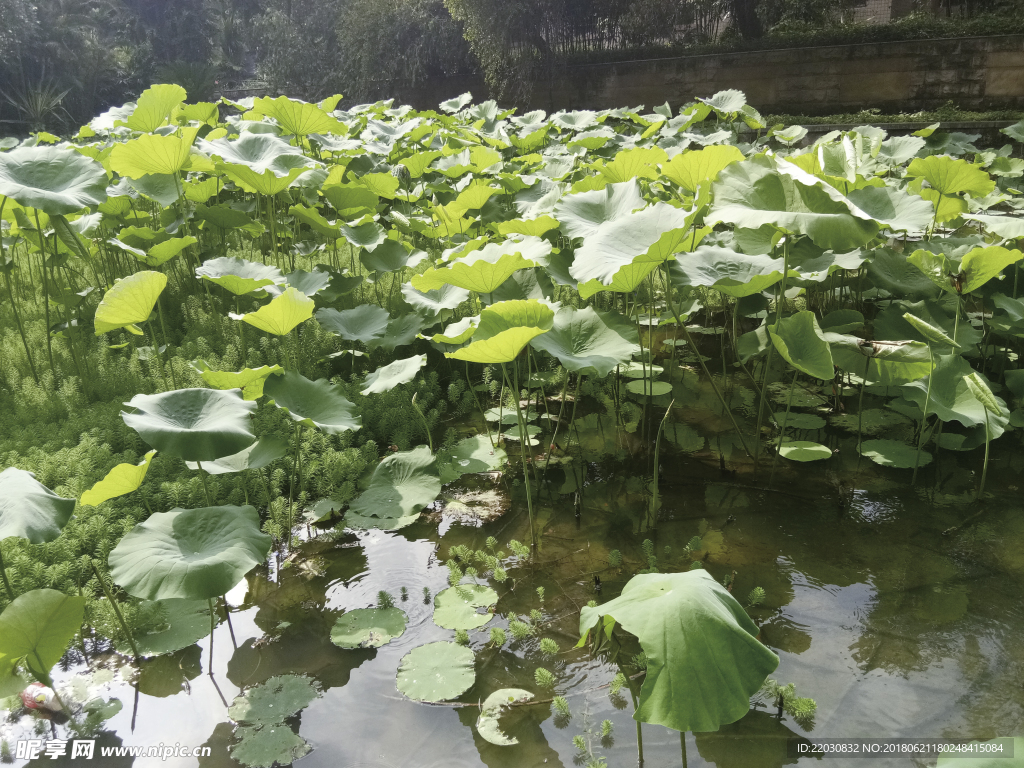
(317, 403)
(29, 510)
(487, 724)
(121, 480)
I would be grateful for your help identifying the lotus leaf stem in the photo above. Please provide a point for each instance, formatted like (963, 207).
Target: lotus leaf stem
(117, 610)
(522, 453)
(487, 428)
(206, 488)
(3, 572)
(924, 418)
(426, 426)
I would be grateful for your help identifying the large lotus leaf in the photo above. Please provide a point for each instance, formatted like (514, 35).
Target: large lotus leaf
(982, 264)
(458, 332)
(54, 180)
(894, 273)
(151, 154)
(193, 554)
(121, 480)
(368, 627)
(446, 297)
(154, 106)
(436, 672)
(704, 658)
(615, 233)
(951, 399)
(894, 209)
(129, 301)
(586, 338)
(298, 117)
(264, 451)
(269, 746)
(283, 313)
(165, 626)
(274, 700)
(37, 627)
(391, 256)
(258, 152)
(193, 424)
(893, 453)
(485, 269)
(390, 376)
(753, 193)
(249, 380)
(626, 280)
(237, 275)
(29, 510)
(351, 200)
(471, 455)
(729, 271)
(505, 328)
(167, 250)
(951, 177)
(365, 323)
(401, 485)
(801, 343)
(487, 724)
(888, 363)
(456, 607)
(400, 331)
(317, 403)
(1007, 227)
(990, 754)
(266, 183)
(695, 169)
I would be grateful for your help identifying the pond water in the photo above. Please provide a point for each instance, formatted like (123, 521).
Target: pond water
(896, 608)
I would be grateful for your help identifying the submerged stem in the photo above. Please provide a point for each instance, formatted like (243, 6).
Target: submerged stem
(522, 453)
(3, 572)
(117, 611)
(924, 418)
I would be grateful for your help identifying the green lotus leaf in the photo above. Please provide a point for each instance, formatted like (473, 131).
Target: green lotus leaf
(951, 177)
(121, 480)
(653, 388)
(471, 455)
(889, 363)
(983, 394)
(399, 332)
(53, 180)
(193, 424)
(274, 700)
(36, 628)
(626, 280)
(951, 397)
(457, 333)
(298, 117)
(368, 627)
(842, 321)
(307, 283)
(163, 252)
(684, 437)
(446, 297)
(456, 607)
(366, 522)
(487, 724)
(704, 658)
(729, 271)
(317, 403)
(192, 554)
(390, 376)
(237, 275)
(485, 269)
(896, 274)
(29, 510)
(893, 453)
(259, 153)
(391, 256)
(980, 265)
(223, 217)
(801, 343)
(989, 754)
(532, 227)
(249, 380)
(638, 162)
(283, 313)
(269, 746)
(638, 370)
(351, 200)
(129, 301)
(366, 235)
(154, 107)
(165, 626)
(505, 328)
(894, 209)
(1007, 227)
(727, 102)
(804, 450)
(436, 672)
(266, 183)
(799, 421)
(586, 338)
(365, 323)
(694, 169)
(264, 451)
(929, 331)
(401, 485)
(151, 154)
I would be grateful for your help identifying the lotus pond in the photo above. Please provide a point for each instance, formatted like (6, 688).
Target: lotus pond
(372, 437)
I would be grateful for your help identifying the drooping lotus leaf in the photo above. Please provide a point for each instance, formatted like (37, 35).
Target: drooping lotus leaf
(804, 450)
(391, 256)
(446, 297)
(239, 276)
(193, 424)
(368, 627)
(485, 269)
(275, 744)
(893, 453)
(951, 399)
(154, 106)
(193, 554)
(317, 403)
(165, 626)
(129, 301)
(249, 380)
(401, 485)
(436, 672)
(283, 313)
(264, 451)
(54, 180)
(889, 363)
(400, 331)
(121, 480)
(982, 264)
(29, 510)
(456, 607)
(151, 154)
(36, 628)
(505, 328)
(801, 343)
(929, 331)
(487, 724)
(894, 209)
(471, 455)
(365, 323)
(274, 700)
(586, 338)
(704, 658)
(391, 375)
(734, 273)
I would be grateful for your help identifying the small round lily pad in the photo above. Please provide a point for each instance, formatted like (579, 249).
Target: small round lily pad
(273, 700)
(436, 672)
(456, 607)
(892, 453)
(804, 450)
(368, 627)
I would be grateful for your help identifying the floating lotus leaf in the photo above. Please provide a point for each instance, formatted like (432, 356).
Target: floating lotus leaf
(586, 338)
(799, 421)
(365, 522)
(193, 424)
(317, 403)
(283, 313)
(368, 627)
(274, 700)
(168, 675)
(121, 480)
(487, 724)
(704, 658)
(505, 328)
(36, 628)
(165, 626)
(54, 180)
(801, 343)
(29, 510)
(893, 453)
(804, 450)
(485, 269)
(249, 380)
(264, 451)
(365, 323)
(456, 607)
(685, 437)
(271, 745)
(471, 455)
(193, 554)
(436, 672)
(647, 387)
(390, 376)
(131, 300)
(401, 485)
(638, 370)
(239, 276)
